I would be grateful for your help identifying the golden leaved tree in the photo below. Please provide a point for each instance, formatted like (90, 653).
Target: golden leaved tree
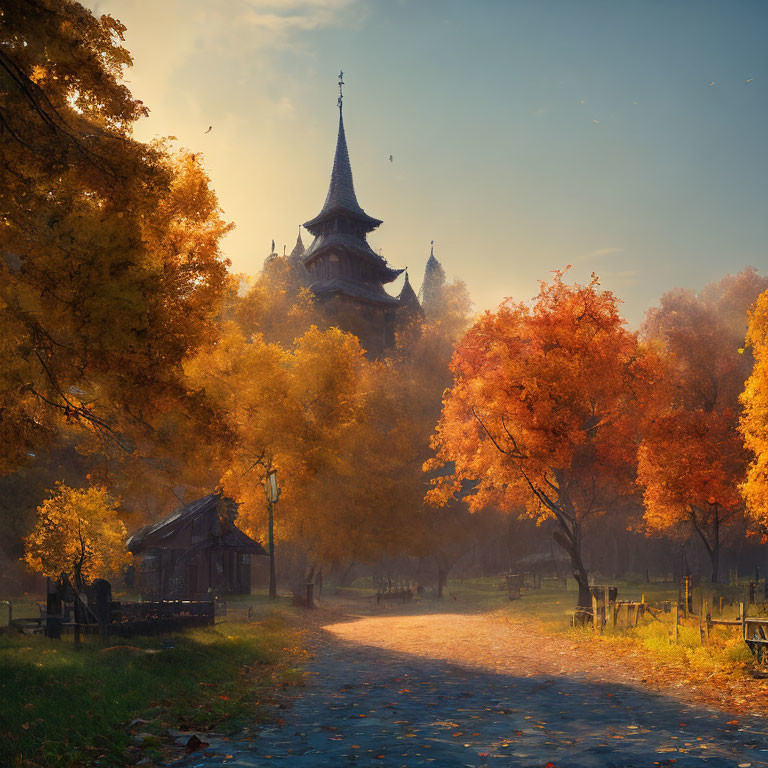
(78, 535)
(110, 270)
(754, 419)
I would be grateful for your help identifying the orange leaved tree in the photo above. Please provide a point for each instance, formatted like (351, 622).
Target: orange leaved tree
(543, 412)
(754, 419)
(692, 459)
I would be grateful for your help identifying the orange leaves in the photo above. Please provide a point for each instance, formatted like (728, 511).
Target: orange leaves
(692, 459)
(544, 403)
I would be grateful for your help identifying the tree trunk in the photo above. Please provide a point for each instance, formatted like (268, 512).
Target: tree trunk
(570, 541)
(582, 579)
(713, 549)
(714, 556)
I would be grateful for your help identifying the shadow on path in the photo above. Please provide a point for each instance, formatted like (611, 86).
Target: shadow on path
(364, 706)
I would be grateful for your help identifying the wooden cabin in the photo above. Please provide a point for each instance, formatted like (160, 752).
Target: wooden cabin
(194, 553)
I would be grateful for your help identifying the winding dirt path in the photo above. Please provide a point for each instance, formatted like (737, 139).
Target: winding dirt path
(453, 689)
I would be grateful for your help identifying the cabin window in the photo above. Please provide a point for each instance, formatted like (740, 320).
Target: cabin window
(245, 558)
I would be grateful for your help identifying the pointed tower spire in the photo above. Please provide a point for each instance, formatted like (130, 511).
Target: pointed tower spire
(341, 198)
(344, 273)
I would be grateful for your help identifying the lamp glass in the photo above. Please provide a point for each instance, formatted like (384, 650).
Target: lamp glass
(272, 490)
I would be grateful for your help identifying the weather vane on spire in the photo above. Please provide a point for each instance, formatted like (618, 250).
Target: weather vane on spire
(341, 85)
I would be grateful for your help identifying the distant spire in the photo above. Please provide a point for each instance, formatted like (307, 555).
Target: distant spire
(298, 249)
(432, 262)
(434, 281)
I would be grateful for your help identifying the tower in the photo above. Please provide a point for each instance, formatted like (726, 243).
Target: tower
(346, 275)
(410, 308)
(431, 293)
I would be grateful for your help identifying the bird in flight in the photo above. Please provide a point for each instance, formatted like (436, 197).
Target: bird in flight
(750, 80)
(711, 82)
(210, 128)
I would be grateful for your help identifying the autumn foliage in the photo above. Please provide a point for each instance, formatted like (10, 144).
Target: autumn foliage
(754, 420)
(110, 270)
(78, 535)
(544, 411)
(692, 459)
(130, 351)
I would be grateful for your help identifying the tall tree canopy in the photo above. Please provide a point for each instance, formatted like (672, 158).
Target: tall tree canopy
(692, 460)
(544, 409)
(754, 419)
(110, 271)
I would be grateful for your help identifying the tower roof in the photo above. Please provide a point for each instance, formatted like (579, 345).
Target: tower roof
(341, 199)
(407, 295)
(432, 262)
(434, 280)
(298, 249)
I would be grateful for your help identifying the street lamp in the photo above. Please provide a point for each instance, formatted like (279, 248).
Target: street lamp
(273, 494)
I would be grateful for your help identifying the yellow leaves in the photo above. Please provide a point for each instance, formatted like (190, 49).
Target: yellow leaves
(754, 418)
(38, 74)
(77, 532)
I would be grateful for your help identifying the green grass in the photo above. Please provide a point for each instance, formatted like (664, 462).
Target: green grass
(63, 708)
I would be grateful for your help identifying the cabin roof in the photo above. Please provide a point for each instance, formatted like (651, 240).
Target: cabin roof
(219, 529)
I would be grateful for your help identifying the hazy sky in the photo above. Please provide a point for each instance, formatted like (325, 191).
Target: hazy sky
(526, 134)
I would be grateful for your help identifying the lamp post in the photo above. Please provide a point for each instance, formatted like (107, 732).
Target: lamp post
(273, 494)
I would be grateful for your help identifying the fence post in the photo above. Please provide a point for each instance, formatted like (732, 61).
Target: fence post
(595, 617)
(709, 619)
(676, 620)
(743, 620)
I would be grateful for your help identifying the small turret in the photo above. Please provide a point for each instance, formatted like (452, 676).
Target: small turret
(298, 249)
(408, 299)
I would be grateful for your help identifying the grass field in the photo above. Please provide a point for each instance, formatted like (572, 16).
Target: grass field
(62, 708)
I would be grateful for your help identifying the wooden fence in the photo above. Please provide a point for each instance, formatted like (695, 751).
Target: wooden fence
(608, 611)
